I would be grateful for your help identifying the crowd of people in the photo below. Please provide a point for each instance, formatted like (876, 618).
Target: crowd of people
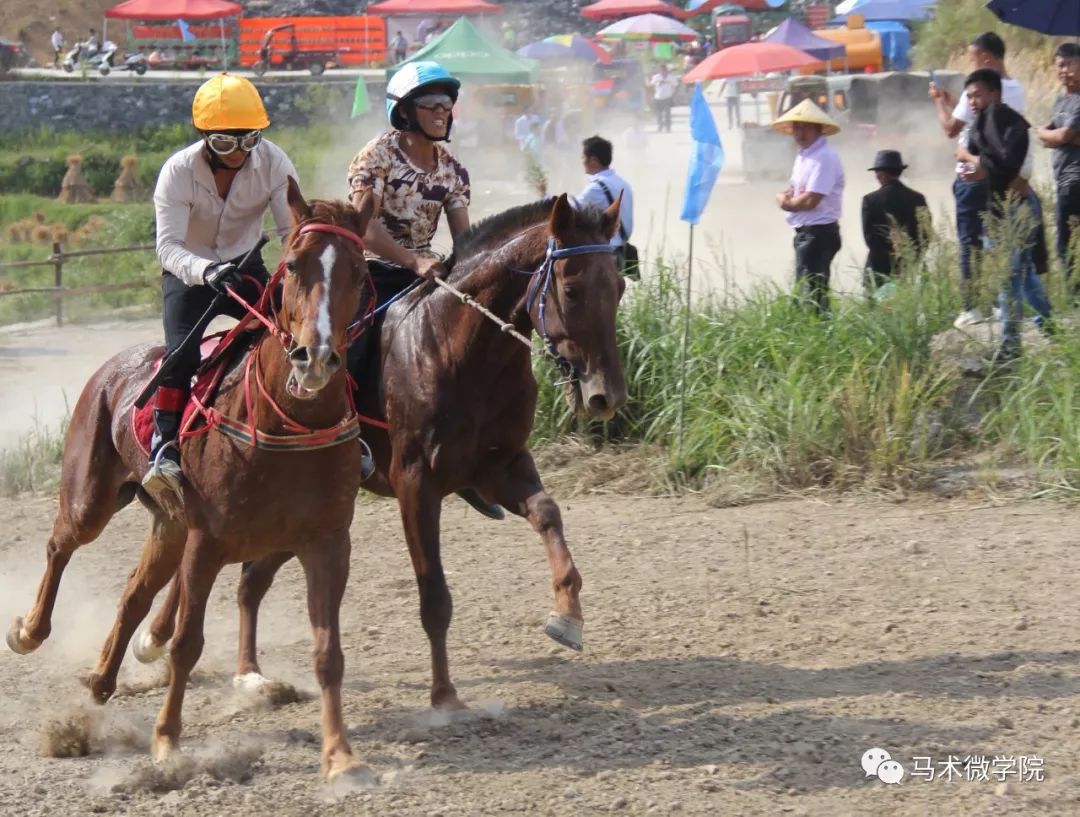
(994, 153)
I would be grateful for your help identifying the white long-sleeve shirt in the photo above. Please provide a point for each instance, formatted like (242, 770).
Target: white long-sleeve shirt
(196, 227)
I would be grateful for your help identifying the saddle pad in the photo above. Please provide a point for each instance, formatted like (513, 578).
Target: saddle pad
(206, 383)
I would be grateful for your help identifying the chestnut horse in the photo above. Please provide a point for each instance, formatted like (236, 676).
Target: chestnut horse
(241, 501)
(460, 398)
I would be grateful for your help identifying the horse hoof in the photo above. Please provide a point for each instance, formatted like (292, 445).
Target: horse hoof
(162, 748)
(17, 639)
(352, 773)
(145, 649)
(565, 630)
(250, 682)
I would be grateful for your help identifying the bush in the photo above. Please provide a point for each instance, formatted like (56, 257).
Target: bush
(957, 22)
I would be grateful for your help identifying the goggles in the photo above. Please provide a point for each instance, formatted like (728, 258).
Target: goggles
(434, 102)
(225, 143)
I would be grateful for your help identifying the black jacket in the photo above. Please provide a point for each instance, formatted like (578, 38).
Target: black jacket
(892, 203)
(999, 137)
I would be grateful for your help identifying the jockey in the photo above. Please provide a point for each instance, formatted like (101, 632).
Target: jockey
(209, 204)
(414, 179)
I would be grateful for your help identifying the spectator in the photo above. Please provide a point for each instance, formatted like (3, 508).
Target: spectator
(93, 43)
(888, 214)
(997, 148)
(523, 124)
(731, 98)
(664, 84)
(57, 40)
(986, 51)
(813, 199)
(1063, 135)
(603, 189)
(400, 46)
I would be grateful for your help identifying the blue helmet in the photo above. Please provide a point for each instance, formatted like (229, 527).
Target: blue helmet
(411, 80)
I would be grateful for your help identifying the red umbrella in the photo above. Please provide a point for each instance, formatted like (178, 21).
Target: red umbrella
(751, 58)
(612, 9)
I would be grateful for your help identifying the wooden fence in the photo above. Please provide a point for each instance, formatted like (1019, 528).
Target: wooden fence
(58, 290)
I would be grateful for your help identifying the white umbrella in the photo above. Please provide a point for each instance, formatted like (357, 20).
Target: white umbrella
(648, 27)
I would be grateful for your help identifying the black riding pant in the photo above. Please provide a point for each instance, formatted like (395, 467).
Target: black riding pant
(389, 280)
(815, 248)
(182, 306)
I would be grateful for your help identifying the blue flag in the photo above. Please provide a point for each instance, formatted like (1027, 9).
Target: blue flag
(186, 33)
(706, 160)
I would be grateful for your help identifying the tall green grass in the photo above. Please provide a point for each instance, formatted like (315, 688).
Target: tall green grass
(789, 399)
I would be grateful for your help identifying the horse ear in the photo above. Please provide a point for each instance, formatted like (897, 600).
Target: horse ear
(300, 208)
(562, 217)
(364, 211)
(610, 221)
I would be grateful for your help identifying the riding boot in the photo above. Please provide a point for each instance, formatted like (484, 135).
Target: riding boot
(164, 472)
(491, 511)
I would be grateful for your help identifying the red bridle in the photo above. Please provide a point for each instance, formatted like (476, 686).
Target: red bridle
(264, 307)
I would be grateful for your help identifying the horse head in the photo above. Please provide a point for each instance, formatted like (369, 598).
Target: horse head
(583, 295)
(322, 287)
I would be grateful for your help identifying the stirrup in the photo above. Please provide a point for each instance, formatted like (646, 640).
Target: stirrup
(367, 461)
(164, 474)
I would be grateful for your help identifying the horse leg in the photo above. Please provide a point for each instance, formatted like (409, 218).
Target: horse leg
(255, 580)
(150, 643)
(161, 554)
(91, 491)
(421, 507)
(326, 568)
(518, 489)
(198, 570)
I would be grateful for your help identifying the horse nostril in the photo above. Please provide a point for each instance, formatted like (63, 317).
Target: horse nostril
(598, 404)
(333, 361)
(299, 355)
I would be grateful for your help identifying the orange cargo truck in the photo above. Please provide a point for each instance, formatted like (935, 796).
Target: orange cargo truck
(358, 41)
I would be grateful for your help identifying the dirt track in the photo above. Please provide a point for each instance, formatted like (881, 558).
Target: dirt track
(737, 661)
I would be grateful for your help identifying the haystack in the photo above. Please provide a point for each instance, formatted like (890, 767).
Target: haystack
(127, 188)
(75, 189)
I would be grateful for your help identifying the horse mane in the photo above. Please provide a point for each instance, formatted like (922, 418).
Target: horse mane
(495, 229)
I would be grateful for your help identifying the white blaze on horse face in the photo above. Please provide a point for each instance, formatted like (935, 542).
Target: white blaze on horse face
(322, 326)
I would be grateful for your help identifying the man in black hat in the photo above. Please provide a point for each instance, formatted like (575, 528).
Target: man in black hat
(889, 213)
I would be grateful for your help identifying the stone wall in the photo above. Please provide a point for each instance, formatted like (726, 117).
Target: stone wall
(121, 105)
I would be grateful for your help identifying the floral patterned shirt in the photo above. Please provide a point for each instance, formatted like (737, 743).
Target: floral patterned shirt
(411, 199)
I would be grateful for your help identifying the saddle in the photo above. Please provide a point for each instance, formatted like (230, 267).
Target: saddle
(219, 353)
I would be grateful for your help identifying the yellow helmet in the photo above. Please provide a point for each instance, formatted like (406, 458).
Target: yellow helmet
(227, 102)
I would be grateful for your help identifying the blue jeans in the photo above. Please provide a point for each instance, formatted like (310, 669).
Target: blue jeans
(972, 201)
(1024, 283)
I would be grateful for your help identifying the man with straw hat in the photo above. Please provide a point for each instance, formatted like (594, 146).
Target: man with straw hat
(813, 198)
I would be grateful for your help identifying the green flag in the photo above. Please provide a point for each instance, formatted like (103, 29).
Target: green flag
(361, 104)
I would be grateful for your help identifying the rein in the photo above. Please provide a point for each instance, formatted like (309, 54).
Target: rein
(539, 288)
(300, 437)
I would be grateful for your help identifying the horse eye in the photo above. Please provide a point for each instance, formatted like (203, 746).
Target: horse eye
(290, 265)
(570, 293)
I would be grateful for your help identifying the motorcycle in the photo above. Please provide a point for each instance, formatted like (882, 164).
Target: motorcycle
(88, 55)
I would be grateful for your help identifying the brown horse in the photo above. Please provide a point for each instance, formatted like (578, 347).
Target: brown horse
(460, 398)
(241, 501)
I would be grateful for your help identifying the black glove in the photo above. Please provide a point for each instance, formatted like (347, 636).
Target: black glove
(220, 275)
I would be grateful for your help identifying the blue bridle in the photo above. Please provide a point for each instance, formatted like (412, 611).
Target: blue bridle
(541, 285)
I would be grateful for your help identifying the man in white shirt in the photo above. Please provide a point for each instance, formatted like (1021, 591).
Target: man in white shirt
(970, 188)
(664, 85)
(57, 40)
(603, 189)
(209, 204)
(523, 126)
(731, 98)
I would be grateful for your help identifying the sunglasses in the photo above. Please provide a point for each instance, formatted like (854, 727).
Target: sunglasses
(435, 102)
(225, 143)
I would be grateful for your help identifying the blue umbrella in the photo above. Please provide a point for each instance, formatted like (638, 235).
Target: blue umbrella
(1059, 17)
(886, 9)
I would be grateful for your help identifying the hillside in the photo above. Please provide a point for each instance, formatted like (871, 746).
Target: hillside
(32, 21)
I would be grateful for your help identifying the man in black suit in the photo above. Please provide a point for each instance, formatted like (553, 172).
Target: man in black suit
(888, 213)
